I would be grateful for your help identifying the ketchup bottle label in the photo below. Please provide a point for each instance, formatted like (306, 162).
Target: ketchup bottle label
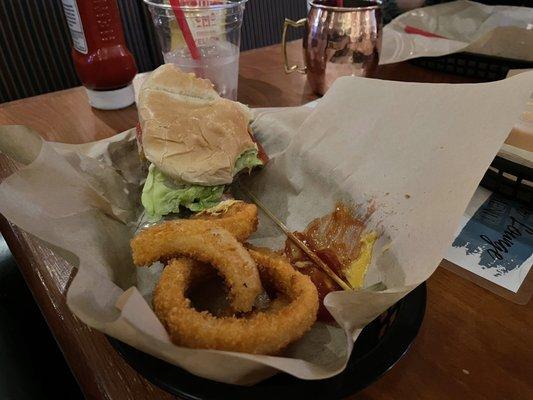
(74, 23)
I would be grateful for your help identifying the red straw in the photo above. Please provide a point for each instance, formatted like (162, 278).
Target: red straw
(416, 31)
(187, 35)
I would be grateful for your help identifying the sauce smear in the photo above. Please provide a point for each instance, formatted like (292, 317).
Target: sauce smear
(336, 239)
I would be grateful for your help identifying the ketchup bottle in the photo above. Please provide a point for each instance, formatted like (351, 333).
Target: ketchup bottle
(103, 63)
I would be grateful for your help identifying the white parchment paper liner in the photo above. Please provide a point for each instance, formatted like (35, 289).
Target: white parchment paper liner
(415, 151)
(501, 31)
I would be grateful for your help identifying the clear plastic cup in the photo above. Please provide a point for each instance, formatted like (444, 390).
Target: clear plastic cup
(216, 28)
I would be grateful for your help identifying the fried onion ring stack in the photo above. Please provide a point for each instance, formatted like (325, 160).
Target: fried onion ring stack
(190, 248)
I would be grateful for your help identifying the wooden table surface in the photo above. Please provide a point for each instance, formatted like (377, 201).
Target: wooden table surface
(472, 344)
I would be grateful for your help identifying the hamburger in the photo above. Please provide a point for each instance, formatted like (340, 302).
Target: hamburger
(194, 142)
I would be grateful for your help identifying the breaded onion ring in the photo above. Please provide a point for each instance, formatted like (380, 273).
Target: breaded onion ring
(215, 246)
(239, 218)
(158, 242)
(262, 332)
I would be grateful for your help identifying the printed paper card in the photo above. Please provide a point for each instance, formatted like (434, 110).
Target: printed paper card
(495, 239)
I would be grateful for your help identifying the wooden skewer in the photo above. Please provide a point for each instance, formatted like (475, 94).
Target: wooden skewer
(321, 264)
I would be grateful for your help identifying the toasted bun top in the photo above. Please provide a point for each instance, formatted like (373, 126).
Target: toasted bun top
(188, 131)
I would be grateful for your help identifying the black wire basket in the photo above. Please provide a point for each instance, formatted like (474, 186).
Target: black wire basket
(473, 65)
(510, 179)
(379, 346)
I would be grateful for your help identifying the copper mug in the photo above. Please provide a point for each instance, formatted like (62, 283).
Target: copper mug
(341, 38)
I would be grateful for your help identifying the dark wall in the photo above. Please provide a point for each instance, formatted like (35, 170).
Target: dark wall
(263, 21)
(34, 49)
(35, 41)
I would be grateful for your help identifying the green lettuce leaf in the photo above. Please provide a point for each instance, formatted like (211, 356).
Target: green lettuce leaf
(248, 159)
(161, 196)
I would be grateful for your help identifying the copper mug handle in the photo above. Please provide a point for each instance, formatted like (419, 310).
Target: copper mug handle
(294, 24)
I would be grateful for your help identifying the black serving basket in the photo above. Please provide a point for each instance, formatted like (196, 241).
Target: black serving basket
(510, 179)
(478, 66)
(379, 346)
